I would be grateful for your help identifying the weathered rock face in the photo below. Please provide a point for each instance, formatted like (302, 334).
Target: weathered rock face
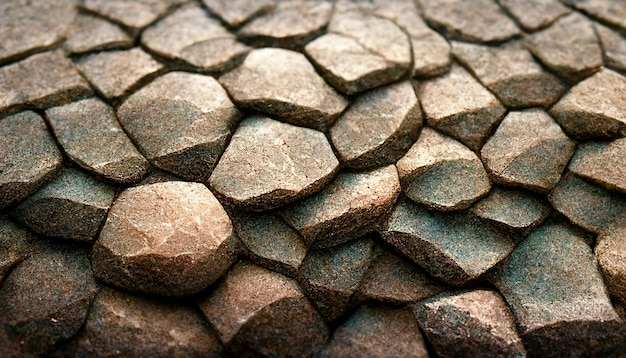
(610, 252)
(534, 15)
(613, 47)
(171, 239)
(91, 33)
(602, 162)
(16, 245)
(236, 12)
(609, 11)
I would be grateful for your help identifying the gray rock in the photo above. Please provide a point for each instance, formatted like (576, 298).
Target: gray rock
(189, 35)
(379, 127)
(171, 239)
(269, 164)
(529, 150)
(91, 33)
(610, 252)
(612, 12)
(511, 73)
(457, 323)
(593, 109)
(29, 158)
(442, 173)
(16, 245)
(613, 47)
(82, 127)
(181, 122)
(534, 15)
(236, 12)
(352, 205)
(456, 248)
(471, 111)
(284, 84)
(262, 313)
(552, 284)
(602, 162)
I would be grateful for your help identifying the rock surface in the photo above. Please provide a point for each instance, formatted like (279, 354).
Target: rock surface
(16, 245)
(613, 47)
(602, 162)
(610, 252)
(235, 12)
(132, 14)
(609, 11)
(91, 33)
(534, 15)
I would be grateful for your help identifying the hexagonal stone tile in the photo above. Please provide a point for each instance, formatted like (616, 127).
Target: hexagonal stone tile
(594, 108)
(181, 122)
(553, 286)
(350, 206)
(269, 164)
(602, 162)
(529, 150)
(16, 245)
(442, 173)
(259, 312)
(610, 252)
(609, 11)
(613, 47)
(284, 84)
(171, 239)
(379, 127)
(534, 15)
(190, 36)
(236, 12)
(91, 33)
(30, 157)
(471, 111)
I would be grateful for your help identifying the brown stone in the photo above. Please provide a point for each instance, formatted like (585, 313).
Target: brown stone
(613, 47)
(612, 12)
(236, 12)
(610, 252)
(16, 245)
(132, 14)
(533, 15)
(91, 33)
(602, 162)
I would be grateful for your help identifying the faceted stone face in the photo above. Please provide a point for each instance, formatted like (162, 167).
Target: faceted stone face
(91, 33)
(533, 15)
(235, 12)
(133, 14)
(171, 239)
(181, 122)
(191, 36)
(29, 159)
(611, 255)
(552, 284)
(373, 331)
(284, 84)
(259, 312)
(350, 206)
(478, 320)
(442, 173)
(469, 114)
(72, 206)
(529, 150)
(40, 81)
(609, 11)
(456, 248)
(613, 46)
(81, 128)
(594, 108)
(602, 162)
(379, 127)
(269, 164)
(16, 245)
(511, 73)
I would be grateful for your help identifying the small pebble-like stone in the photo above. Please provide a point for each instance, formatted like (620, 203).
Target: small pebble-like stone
(29, 157)
(350, 206)
(533, 15)
(470, 112)
(257, 312)
(373, 331)
(470, 321)
(132, 14)
(511, 73)
(602, 162)
(284, 84)
(456, 248)
(379, 127)
(191, 36)
(594, 108)
(442, 173)
(171, 239)
(613, 47)
(613, 12)
(116, 73)
(610, 252)
(529, 150)
(181, 122)
(82, 127)
(16, 245)
(269, 164)
(553, 286)
(236, 12)
(91, 33)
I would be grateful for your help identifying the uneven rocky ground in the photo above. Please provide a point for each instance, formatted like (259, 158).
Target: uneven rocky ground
(309, 178)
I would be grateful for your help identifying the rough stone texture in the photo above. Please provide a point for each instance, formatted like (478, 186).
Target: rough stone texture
(613, 47)
(235, 12)
(16, 245)
(91, 33)
(350, 206)
(171, 239)
(181, 122)
(552, 284)
(473, 21)
(132, 14)
(612, 12)
(191, 36)
(602, 162)
(595, 108)
(533, 15)
(72, 206)
(40, 81)
(292, 24)
(331, 277)
(442, 173)
(263, 313)
(284, 84)
(456, 248)
(29, 158)
(82, 127)
(610, 252)
(470, 112)
(373, 331)
(379, 127)
(511, 73)
(116, 73)
(269, 164)
(529, 150)
(569, 47)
